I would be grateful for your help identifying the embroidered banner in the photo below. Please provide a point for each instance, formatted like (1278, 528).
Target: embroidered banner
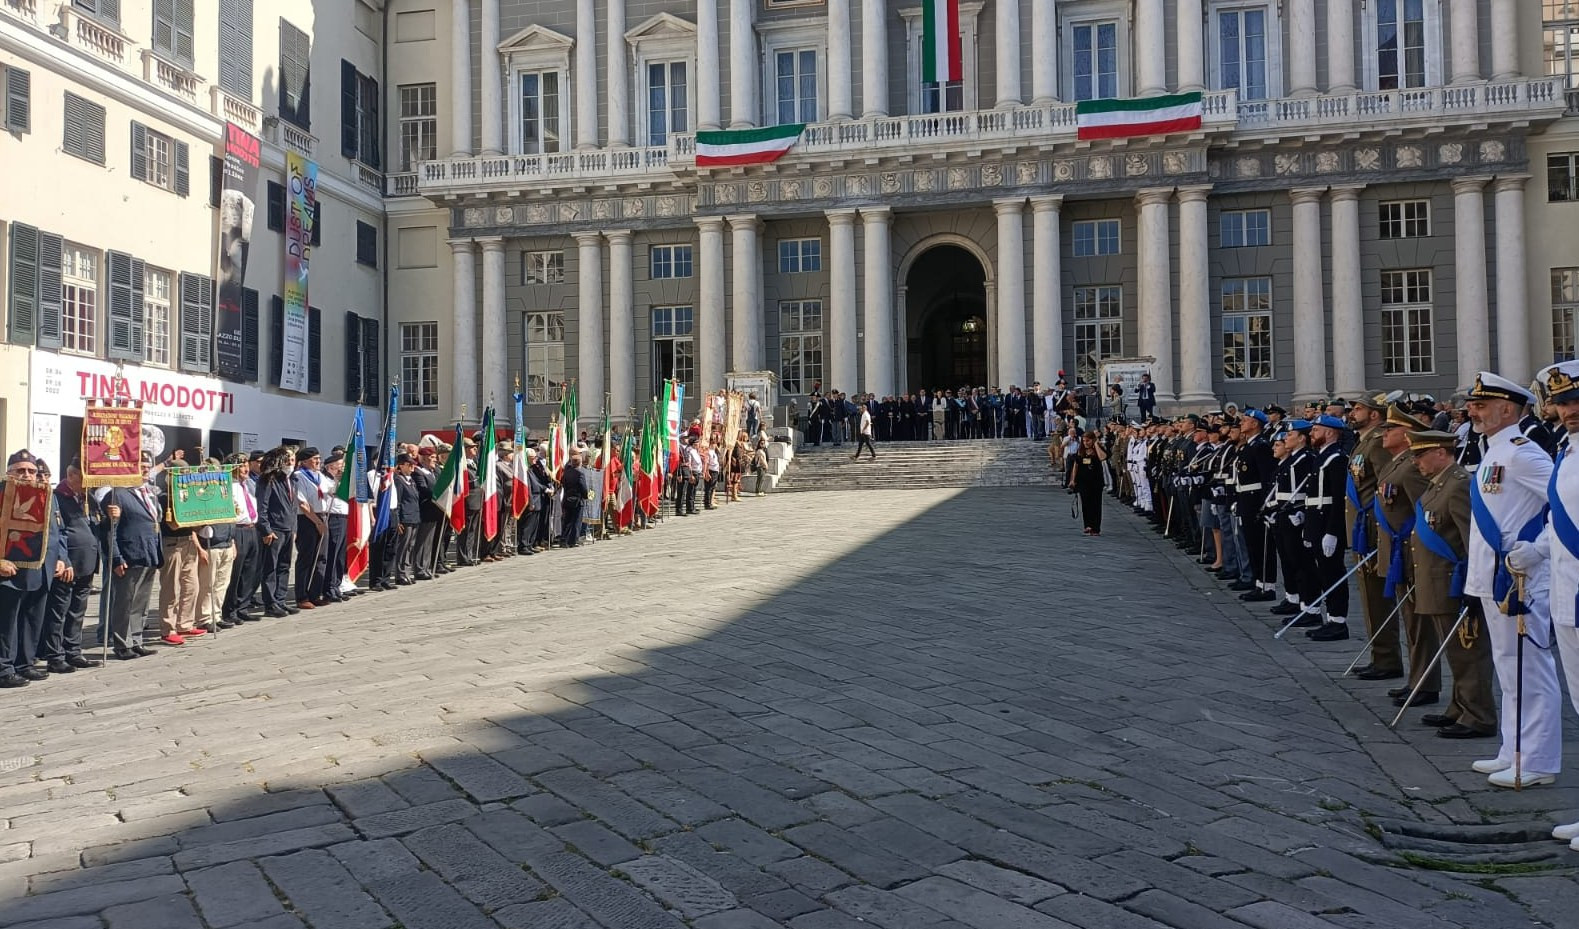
(24, 522)
(301, 203)
(200, 496)
(112, 441)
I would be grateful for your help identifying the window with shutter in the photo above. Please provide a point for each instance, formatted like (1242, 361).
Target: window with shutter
(197, 323)
(235, 48)
(84, 129)
(51, 250)
(24, 284)
(317, 238)
(314, 350)
(372, 349)
(295, 76)
(183, 169)
(18, 100)
(185, 23)
(350, 113)
(276, 198)
(367, 145)
(139, 151)
(164, 27)
(276, 338)
(249, 335)
(105, 11)
(353, 358)
(127, 333)
(216, 180)
(366, 244)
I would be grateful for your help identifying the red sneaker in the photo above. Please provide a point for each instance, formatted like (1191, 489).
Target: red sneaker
(195, 632)
(173, 638)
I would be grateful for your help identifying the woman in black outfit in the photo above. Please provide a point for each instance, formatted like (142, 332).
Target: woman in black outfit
(1086, 480)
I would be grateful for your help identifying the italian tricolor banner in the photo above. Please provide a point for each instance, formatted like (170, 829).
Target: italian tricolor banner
(1117, 119)
(728, 147)
(941, 58)
(449, 491)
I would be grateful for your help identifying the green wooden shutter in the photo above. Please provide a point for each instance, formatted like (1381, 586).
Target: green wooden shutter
(50, 251)
(20, 320)
(372, 351)
(235, 47)
(139, 151)
(197, 323)
(18, 100)
(353, 358)
(249, 335)
(276, 338)
(314, 350)
(350, 122)
(126, 312)
(183, 168)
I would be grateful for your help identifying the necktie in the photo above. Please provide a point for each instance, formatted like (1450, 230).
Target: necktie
(252, 509)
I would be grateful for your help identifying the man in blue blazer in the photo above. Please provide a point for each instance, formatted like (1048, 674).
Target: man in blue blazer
(81, 520)
(24, 590)
(136, 555)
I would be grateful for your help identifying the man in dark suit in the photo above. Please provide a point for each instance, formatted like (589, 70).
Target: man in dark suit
(80, 518)
(468, 542)
(574, 482)
(136, 554)
(23, 591)
(408, 511)
(432, 516)
(247, 563)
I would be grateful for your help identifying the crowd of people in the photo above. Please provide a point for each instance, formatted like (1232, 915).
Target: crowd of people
(293, 546)
(833, 417)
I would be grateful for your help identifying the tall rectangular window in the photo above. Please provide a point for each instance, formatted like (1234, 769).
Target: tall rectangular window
(156, 316)
(667, 100)
(1092, 237)
(1095, 62)
(543, 267)
(295, 76)
(1099, 328)
(1565, 308)
(800, 345)
(800, 255)
(1562, 177)
(1400, 44)
(673, 345)
(545, 357)
(173, 30)
(235, 48)
(360, 129)
(419, 125)
(669, 261)
(1242, 51)
(79, 299)
(1560, 21)
(1405, 219)
(539, 112)
(1406, 322)
(419, 365)
(84, 129)
(795, 81)
(1247, 328)
(1244, 228)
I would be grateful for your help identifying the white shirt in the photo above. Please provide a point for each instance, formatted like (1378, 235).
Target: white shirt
(246, 503)
(1563, 565)
(866, 422)
(1513, 501)
(309, 490)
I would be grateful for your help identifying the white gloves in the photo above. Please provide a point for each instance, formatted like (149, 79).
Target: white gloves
(1297, 518)
(1523, 558)
(1329, 545)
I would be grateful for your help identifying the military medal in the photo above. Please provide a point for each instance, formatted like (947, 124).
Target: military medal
(1430, 518)
(1491, 483)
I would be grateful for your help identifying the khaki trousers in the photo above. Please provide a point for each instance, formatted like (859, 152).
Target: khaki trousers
(213, 579)
(1421, 634)
(1387, 650)
(1472, 704)
(178, 585)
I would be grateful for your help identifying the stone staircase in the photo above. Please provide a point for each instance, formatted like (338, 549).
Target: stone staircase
(920, 465)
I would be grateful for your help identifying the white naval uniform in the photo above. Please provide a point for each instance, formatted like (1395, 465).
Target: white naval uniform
(1518, 497)
(1137, 452)
(1563, 569)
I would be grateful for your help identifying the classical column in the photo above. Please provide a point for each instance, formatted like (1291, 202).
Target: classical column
(874, 59)
(1348, 311)
(1310, 328)
(1047, 284)
(1302, 56)
(1340, 47)
(710, 326)
(742, 66)
(586, 93)
(1471, 329)
(1044, 54)
(463, 339)
(709, 105)
(1006, 18)
(618, 77)
(1464, 33)
(1192, 46)
(461, 77)
(876, 223)
(746, 352)
(1504, 39)
(841, 97)
(622, 323)
(1513, 315)
(495, 345)
(1195, 313)
(589, 319)
(1156, 297)
(1011, 292)
(490, 73)
(843, 342)
(1151, 50)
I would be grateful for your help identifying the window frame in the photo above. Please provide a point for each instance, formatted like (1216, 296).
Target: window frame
(798, 34)
(298, 114)
(428, 365)
(1405, 308)
(1403, 223)
(539, 50)
(798, 335)
(800, 244)
(1565, 313)
(676, 339)
(531, 255)
(1223, 237)
(673, 261)
(1554, 27)
(78, 326)
(541, 388)
(1370, 54)
(916, 91)
(1571, 166)
(1073, 14)
(173, 53)
(429, 121)
(151, 316)
(1274, 44)
(1243, 312)
(1098, 237)
(1097, 323)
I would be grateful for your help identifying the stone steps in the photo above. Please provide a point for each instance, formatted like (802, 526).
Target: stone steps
(921, 466)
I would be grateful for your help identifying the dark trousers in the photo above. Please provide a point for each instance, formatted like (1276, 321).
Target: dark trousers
(467, 544)
(1263, 561)
(1091, 505)
(685, 501)
(708, 488)
(334, 556)
(570, 524)
(864, 441)
(244, 572)
(129, 605)
(401, 552)
(427, 541)
(1327, 572)
(311, 560)
(276, 581)
(526, 531)
(1291, 552)
(21, 616)
(63, 615)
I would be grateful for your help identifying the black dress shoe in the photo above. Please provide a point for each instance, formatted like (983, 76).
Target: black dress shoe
(1423, 698)
(1332, 632)
(1398, 692)
(1258, 596)
(61, 666)
(33, 674)
(1437, 721)
(142, 651)
(1379, 674)
(1242, 586)
(292, 610)
(1286, 608)
(276, 613)
(1456, 731)
(10, 680)
(1308, 621)
(83, 661)
(126, 654)
(1227, 575)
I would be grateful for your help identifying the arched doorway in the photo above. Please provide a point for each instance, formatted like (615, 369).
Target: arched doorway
(946, 310)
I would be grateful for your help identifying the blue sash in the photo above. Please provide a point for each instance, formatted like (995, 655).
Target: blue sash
(1441, 548)
(1395, 565)
(1502, 580)
(1359, 539)
(1563, 523)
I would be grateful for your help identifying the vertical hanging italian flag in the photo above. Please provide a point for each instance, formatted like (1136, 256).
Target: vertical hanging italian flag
(941, 57)
(488, 475)
(449, 491)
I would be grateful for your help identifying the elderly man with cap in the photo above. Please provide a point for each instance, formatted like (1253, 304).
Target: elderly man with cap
(240, 603)
(1399, 486)
(24, 591)
(1442, 530)
(135, 556)
(1366, 462)
(337, 515)
(81, 520)
(312, 527)
(1508, 499)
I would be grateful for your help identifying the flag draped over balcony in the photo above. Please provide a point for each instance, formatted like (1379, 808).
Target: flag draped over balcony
(729, 147)
(1117, 119)
(941, 56)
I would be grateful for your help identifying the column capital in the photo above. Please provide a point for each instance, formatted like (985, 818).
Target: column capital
(1050, 203)
(585, 239)
(1195, 194)
(614, 235)
(746, 221)
(1510, 182)
(1306, 194)
(462, 245)
(1154, 195)
(1343, 194)
(1009, 204)
(710, 222)
(844, 216)
(1470, 185)
(492, 243)
(877, 214)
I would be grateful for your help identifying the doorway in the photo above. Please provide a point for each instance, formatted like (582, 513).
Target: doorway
(946, 300)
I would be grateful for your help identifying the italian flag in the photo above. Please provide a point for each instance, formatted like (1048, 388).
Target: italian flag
(558, 449)
(941, 58)
(353, 490)
(488, 475)
(625, 491)
(1117, 119)
(520, 488)
(728, 147)
(669, 429)
(449, 491)
(649, 476)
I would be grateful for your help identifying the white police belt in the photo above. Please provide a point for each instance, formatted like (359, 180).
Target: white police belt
(1318, 501)
(1246, 488)
(1282, 497)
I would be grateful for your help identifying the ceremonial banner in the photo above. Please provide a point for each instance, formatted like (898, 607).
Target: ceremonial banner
(1117, 118)
(242, 153)
(488, 475)
(734, 415)
(112, 441)
(355, 491)
(520, 491)
(592, 511)
(301, 201)
(200, 496)
(24, 522)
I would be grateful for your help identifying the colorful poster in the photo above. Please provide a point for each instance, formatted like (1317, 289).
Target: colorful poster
(200, 496)
(112, 442)
(242, 154)
(24, 522)
(301, 198)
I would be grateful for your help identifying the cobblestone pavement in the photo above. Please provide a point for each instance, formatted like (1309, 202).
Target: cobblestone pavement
(825, 711)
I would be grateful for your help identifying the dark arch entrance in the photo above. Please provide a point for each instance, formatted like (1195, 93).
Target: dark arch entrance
(946, 302)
